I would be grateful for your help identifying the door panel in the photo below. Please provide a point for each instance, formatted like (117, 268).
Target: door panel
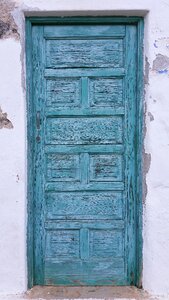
(84, 92)
(84, 131)
(84, 53)
(85, 205)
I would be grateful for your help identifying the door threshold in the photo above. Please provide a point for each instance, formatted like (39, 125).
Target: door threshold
(86, 292)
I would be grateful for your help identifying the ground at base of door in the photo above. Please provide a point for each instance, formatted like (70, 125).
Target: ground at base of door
(85, 293)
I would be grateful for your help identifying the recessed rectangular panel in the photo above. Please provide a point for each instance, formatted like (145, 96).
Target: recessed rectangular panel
(106, 92)
(86, 268)
(106, 167)
(62, 244)
(98, 130)
(84, 53)
(92, 272)
(62, 167)
(84, 205)
(53, 31)
(106, 243)
(63, 92)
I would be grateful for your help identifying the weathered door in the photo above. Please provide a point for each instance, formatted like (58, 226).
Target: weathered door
(84, 137)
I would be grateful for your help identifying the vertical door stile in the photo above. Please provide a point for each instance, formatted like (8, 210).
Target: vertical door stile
(84, 81)
(84, 243)
(39, 209)
(131, 150)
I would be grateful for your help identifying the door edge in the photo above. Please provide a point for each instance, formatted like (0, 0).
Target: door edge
(29, 22)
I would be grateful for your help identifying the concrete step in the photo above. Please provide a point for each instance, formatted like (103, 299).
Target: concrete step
(85, 293)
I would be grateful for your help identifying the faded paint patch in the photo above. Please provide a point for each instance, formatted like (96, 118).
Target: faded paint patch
(4, 121)
(8, 27)
(151, 116)
(161, 64)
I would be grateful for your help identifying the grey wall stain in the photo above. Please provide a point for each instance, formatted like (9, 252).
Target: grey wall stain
(146, 167)
(147, 162)
(151, 116)
(8, 27)
(17, 178)
(146, 156)
(4, 121)
(146, 71)
(161, 63)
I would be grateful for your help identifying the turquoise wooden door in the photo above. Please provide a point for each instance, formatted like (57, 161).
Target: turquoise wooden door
(84, 136)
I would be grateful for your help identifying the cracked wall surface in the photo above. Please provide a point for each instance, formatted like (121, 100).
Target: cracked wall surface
(13, 157)
(8, 27)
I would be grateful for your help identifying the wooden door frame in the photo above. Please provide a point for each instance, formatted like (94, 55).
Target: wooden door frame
(30, 21)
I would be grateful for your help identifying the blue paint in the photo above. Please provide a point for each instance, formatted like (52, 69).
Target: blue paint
(165, 71)
(155, 45)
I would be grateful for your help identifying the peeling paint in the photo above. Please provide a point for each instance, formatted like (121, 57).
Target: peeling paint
(144, 183)
(8, 27)
(155, 217)
(155, 44)
(4, 121)
(151, 116)
(146, 71)
(162, 43)
(165, 71)
(161, 64)
(147, 162)
(146, 157)
(146, 167)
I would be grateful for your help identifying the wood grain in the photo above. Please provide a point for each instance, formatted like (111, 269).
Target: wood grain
(84, 153)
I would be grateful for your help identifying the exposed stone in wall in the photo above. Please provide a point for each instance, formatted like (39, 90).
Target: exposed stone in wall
(161, 63)
(8, 27)
(4, 121)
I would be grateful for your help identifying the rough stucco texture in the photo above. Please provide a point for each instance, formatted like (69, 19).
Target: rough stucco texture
(8, 26)
(13, 276)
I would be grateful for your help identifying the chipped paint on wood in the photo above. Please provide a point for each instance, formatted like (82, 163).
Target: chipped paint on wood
(87, 152)
(156, 140)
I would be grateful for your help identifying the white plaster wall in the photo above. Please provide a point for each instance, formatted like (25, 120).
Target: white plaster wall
(12, 172)
(13, 141)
